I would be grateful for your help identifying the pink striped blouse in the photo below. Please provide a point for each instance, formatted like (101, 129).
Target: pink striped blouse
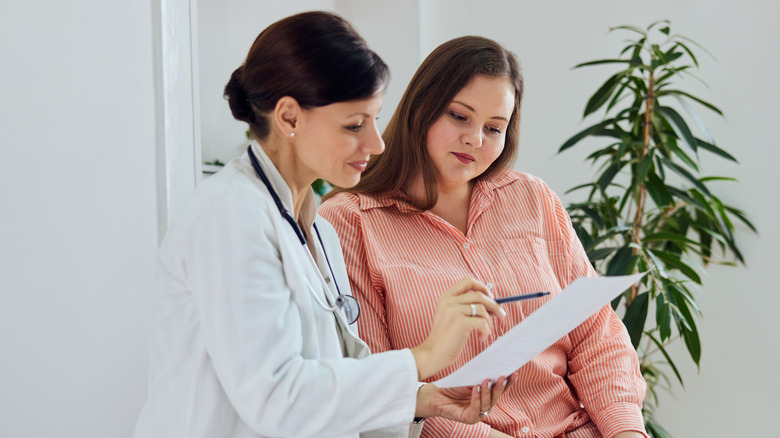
(519, 239)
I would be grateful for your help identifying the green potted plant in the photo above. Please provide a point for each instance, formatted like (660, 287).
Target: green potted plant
(650, 207)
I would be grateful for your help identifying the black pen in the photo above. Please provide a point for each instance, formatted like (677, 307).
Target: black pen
(521, 297)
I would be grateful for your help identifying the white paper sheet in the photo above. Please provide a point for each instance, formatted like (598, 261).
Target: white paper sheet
(554, 320)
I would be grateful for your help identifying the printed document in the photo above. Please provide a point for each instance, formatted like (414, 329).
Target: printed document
(552, 321)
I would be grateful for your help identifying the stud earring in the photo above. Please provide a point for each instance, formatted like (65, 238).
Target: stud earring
(292, 134)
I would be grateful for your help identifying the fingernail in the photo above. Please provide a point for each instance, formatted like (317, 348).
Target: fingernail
(490, 384)
(479, 389)
(504, 383)
(503, 312)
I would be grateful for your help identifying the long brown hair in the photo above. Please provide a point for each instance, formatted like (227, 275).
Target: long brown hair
(315, 57)
(439, 78)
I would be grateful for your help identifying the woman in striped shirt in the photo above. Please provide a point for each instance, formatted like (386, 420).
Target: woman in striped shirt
(441, 203)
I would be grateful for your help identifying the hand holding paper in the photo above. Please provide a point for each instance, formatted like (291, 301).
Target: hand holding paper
(554, 320)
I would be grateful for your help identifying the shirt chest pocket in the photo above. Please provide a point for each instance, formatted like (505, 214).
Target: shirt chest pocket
(538, 265)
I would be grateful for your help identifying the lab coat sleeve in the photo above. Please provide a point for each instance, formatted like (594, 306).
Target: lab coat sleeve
(250, 325)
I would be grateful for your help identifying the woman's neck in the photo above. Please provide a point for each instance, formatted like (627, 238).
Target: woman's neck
(286, 162)
(452, 203)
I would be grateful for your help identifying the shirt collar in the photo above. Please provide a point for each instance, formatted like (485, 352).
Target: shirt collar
(484, 186)
(309, 207)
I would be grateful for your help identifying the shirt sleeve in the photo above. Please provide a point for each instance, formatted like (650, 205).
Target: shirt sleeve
(250, 325)
(603, 364)
(437, 427)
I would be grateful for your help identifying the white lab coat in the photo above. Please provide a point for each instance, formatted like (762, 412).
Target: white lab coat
(239, 348)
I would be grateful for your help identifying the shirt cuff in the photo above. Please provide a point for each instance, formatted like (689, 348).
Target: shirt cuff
(619, 417)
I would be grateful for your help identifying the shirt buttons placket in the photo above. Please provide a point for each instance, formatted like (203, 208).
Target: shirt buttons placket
(466, 245)
(525, 429)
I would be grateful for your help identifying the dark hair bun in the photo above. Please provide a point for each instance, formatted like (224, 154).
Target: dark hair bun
(236, 95)
(315, 57)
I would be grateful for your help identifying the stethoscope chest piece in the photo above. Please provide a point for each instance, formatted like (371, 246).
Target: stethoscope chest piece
(350, 306)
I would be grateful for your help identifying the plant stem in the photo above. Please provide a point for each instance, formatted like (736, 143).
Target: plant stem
(642, 189)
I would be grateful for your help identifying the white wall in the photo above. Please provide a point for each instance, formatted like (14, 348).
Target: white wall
(78, 223)
(737, 388)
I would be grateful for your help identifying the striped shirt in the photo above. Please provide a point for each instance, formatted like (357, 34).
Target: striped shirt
(518, 238)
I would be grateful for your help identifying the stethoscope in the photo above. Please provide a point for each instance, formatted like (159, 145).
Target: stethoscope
(347, 303)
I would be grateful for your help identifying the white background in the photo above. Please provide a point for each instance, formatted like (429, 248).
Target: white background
(78, 228)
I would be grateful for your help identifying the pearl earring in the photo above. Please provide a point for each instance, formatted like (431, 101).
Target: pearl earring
(292, 134)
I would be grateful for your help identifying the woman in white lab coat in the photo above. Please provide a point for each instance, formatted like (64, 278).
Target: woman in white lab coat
(252, 332)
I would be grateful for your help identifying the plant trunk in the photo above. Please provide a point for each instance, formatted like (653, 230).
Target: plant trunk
(642, 190)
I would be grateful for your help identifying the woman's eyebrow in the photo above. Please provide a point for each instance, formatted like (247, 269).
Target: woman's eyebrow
(470, 108)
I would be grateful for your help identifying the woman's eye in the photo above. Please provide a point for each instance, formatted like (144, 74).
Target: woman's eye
(355, 128)
(457, 116)
(494, 130)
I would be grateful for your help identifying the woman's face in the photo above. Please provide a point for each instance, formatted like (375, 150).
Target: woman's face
(465, 140)
(334, 142)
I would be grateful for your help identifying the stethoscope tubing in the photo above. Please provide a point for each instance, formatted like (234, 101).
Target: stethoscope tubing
(341, 301)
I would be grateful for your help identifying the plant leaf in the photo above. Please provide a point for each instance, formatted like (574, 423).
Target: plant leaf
(668, 359)
(687, 175)
(591, 130)
(622, 263)
(603, 61)
(692, 97)
(603, 94)
(714, 149)
(679, 125)
(600, 253)
(636, 314)
(663, 317)
(673, 261)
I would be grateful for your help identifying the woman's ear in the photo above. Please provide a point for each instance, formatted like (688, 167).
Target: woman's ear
(286, 114)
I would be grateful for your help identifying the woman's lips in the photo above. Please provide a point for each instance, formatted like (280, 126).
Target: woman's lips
(464, 158)
(360, 166)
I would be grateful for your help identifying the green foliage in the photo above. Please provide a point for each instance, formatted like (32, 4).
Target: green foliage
(648, 208)
(216, 162)
(321, 187)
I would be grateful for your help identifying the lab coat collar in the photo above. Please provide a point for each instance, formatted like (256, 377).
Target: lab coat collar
(309, 207)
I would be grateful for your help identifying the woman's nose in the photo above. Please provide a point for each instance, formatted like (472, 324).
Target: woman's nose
(374, 144)
(472, 137)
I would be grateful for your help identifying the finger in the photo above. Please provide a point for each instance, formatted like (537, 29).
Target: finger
(465, 285)
(498, 389)
(488, 303)
(486, 399)
(512, 380)
(482, 327)
(475, 311)
(476, 400)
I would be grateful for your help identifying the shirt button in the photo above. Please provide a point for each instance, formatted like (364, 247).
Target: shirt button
(327, 279)
(525, 429)
(489, 286)
(466, 245)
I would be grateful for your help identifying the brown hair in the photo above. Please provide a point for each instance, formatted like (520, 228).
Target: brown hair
(317, 58)
(439, 78)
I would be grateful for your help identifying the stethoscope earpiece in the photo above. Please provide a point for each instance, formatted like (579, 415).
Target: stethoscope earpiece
(347, 303)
